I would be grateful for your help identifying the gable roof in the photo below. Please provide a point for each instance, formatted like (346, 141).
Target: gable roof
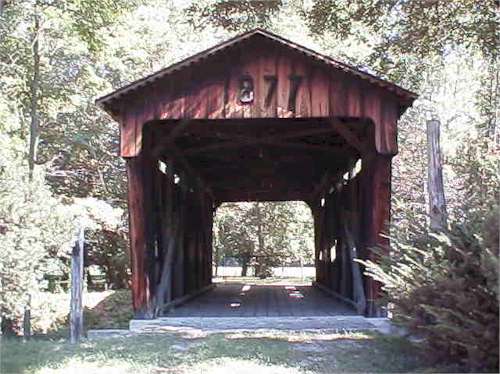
(404, 94)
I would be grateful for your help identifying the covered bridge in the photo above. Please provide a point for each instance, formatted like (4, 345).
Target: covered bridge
(256, 118)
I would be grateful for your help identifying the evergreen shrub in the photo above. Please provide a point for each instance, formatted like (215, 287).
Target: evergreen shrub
(444, 287)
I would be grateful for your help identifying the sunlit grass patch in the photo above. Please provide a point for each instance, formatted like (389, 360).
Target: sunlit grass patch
(239, 366)
(299, 336)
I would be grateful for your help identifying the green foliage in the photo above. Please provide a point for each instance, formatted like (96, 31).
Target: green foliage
(263, 234)
(233, 15)
(415, 27)
(34, 225)
(478, 185)
(105, 309)
(444, 286)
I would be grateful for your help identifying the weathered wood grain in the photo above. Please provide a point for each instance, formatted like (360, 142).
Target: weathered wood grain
(319, 88)
(303, 105)
(437, 201)
(76, 304)
(285, 86)
(137, 190)
(284, 71)
(268, 81)
(338, 97)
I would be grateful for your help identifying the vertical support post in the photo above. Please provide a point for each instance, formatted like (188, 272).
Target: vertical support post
(317, 241)
(210, 226)
(179, 287)
(138, 191)
(437, 202)
(76, 311)
(377, 207)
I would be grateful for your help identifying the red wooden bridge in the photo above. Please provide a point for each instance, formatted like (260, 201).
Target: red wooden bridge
(256, 118)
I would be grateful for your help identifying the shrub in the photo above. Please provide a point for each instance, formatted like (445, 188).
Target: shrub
(444, 287)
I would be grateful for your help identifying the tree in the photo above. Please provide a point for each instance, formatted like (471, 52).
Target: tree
(233, 15)
(45, 46)
(232, 237)
(34, 225)
(263, 234)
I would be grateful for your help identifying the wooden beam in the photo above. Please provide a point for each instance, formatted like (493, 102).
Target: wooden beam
(170, 138)
(184, 299)
(238, 138)
(350, 137)
(376, 216)
(178, 155)
(260, 195)
(257, 142)
(138, 189)
(177, 130)
(358, 291)
(326, 181)
(273, 136)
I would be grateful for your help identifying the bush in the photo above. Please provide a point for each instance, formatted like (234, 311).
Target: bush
(102, 310)
(444, 287)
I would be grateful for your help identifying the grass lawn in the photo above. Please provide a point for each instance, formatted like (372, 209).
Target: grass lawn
(235, 353)
(196, 352)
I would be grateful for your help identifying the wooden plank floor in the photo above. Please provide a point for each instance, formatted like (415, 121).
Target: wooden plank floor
(236, 300)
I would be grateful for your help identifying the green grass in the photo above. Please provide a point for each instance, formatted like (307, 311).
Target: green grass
(253, 353)
(259, 352)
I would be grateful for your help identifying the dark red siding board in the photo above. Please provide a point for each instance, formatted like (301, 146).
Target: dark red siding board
(268, 81)
(215, 100)
(338, 97)
(303, 100)
(319, 86)
(284, 71)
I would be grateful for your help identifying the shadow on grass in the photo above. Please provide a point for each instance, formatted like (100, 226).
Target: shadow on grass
(216, 353)
(42, 353)
(142, 353)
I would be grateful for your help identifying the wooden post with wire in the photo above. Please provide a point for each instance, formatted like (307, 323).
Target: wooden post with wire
(76, 309)
(437, 202)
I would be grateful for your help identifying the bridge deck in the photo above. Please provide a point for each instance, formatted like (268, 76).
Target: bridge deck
(239, 300)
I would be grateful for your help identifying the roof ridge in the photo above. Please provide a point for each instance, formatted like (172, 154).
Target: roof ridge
(196, 58)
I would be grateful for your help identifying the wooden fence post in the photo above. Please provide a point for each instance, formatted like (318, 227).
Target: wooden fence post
(76, 312)
(27, 319)
(437, 202)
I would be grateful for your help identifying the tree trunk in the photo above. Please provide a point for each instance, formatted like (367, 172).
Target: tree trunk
(301, 269)
(437, 202)
(27, 319)
(34, 88)
(260, 242)
(2, 6)
(244, 266)
(216, 262)
(76, 315)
